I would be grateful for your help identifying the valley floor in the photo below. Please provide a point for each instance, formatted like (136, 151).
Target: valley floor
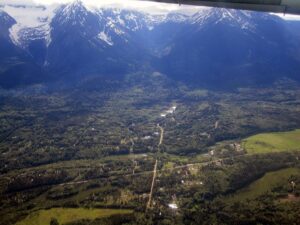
(151, 155)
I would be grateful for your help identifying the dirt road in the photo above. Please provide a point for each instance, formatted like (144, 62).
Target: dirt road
(161, 139)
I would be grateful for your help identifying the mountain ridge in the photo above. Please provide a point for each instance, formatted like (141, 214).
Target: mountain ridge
(74, 41)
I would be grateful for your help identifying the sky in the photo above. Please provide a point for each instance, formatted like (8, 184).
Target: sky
(150, 7)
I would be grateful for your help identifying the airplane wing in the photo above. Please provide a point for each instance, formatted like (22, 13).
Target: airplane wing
(275, 6)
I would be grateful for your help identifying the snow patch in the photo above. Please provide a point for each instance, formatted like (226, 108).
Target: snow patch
(14, 33)
(104, 37)
(32, 22)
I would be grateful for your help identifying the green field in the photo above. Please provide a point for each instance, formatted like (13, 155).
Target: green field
(264, 184)
(65, 215)
(273, 142)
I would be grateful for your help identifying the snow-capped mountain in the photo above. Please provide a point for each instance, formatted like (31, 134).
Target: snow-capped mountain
(234, 47)
(36, 22)
(76, 40)
(104, 40)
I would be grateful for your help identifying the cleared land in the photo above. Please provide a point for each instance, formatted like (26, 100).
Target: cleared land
(273, 142)
(265, 184)
(65, 215)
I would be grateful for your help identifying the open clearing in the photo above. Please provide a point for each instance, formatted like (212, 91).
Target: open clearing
(273, 142)
(65, 215)
(264, 184)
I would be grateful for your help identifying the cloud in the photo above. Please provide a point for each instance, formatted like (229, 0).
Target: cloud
(17, 2)
(150, 7)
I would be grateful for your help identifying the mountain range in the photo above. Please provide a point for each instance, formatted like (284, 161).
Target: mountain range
(217, 48)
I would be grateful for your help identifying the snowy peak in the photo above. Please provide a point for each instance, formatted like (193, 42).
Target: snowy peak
(73, 8)
(123, 20)
(176, 17)
(118, 25)
(77, 3)
(74, 12)
(215, 16)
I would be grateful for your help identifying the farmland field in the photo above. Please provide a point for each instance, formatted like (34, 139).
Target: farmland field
(265, 184)
(273, 142)
(65, 215)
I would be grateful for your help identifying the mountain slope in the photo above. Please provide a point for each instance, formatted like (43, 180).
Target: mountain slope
(224, 48)
(215, 48)
(16, 66)
(98, 40)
